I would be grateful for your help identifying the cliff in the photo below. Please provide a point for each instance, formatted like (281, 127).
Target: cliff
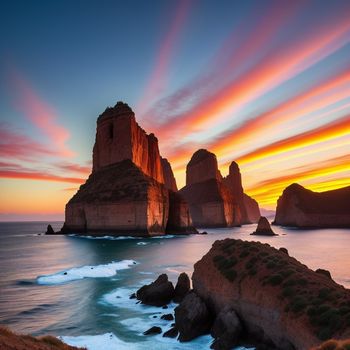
(280, 302)
(131, 188)
(12, 341)
(119, 137)
(118, 199)
(300, 207)
(211, 202)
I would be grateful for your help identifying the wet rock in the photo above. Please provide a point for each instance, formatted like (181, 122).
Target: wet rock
(226, 330)
(182, 287)
(171, 333)
(132, 296)
(158, 293)
(192, 317)
(167, 317)
(153, 330)
(49, 230)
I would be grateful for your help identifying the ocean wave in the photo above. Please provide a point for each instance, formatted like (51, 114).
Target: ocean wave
(119, 238)
(77, 273)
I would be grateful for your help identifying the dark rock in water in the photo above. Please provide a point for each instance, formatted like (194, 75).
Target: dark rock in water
(153, 330)
(155, 316)
(264, 228)
(203, 233)
(284, 250)
(158, 293)
(64, 273)
(182, 287)
(226, 330)
(324, 272)
(164, 306)
(49, 230)
(192, 317)
(132, 296)
(167, 317)
(171, 333)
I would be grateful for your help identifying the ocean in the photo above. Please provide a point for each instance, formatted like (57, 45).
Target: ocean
(78, 288)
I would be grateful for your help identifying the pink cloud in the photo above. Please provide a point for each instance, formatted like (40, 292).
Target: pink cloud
(14, 145)
(158, 76)
(40, 114)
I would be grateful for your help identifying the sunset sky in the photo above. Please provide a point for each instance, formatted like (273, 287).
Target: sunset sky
(265, 83)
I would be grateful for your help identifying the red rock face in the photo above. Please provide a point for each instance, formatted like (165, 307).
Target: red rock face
(169, 178)
(119, 137)
(119, 199)
(300, 207)
(248, 206)
(211, 202)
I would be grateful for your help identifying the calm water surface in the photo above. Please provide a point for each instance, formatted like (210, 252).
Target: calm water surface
(97, 311)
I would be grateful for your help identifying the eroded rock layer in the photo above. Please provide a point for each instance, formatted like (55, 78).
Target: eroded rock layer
(300, 207)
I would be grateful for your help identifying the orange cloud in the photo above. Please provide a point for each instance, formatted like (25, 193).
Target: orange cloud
(268, 191)
(326, 132)
(32, 175)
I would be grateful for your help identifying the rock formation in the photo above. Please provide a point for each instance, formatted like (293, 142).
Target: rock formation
(300, 207)
(281, 303)
(131, 188)
(263, 228)
(182, 287)
(248, 206)
(215, 201)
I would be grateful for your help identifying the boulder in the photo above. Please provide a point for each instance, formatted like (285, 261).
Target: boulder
(158, 293)
(263, 228)
(192, 317)
(171, 333)
(153, 330)
(299, 207)
(324, 273)
(167, 317)
(182, 287)
(226, 330)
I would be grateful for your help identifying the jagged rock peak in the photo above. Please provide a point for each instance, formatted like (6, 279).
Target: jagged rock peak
(120, 108)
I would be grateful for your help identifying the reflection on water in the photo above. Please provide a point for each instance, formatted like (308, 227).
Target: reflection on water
(77, 307)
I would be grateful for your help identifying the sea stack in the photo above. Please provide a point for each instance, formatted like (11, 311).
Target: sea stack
(211, 202)
(216, 201)
(299, 207)
(126, 192)
(250, 212)
(263, 228)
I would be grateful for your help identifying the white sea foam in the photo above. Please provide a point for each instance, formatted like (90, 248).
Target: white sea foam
(141, 243)
(109, 341)
(77, 273)
(118, 238)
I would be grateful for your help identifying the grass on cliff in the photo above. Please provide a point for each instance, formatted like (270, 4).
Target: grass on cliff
(304, 293)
